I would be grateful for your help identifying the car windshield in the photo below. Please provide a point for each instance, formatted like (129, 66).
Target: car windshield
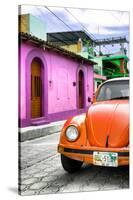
(114, 90)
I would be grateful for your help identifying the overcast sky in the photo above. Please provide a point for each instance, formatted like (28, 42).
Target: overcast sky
(98, 23)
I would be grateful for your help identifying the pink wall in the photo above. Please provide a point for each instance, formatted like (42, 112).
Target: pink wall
(22, 82)
(62, 72)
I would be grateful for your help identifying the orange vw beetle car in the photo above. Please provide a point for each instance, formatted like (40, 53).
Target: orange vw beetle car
(101, 136)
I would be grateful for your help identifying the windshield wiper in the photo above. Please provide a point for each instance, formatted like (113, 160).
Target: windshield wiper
(124, 97)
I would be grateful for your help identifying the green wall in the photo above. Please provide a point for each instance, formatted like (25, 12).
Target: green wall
(37, 27)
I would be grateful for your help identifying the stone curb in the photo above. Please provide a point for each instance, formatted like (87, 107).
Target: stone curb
(39, 132)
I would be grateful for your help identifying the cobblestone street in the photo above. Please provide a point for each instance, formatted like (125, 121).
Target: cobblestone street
(42, 173)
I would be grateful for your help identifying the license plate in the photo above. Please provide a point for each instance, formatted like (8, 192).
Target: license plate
(109, 159)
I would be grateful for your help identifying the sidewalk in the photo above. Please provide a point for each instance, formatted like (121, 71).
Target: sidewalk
(33, 132)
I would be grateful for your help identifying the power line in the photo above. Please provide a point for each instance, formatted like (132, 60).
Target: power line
(42, 13)
(80, 24)
(72, 31)
(61, 21)
(94, 38)
(118, 19)
(58, 18)
(83, 27)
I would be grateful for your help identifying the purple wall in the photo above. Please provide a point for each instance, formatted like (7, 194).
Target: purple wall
(60, 96)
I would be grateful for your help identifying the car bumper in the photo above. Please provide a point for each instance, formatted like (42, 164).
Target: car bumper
(86, 154)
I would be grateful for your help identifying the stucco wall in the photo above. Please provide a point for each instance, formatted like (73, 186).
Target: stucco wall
(22, 81)
(61, 72)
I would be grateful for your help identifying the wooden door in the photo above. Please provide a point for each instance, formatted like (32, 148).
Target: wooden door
(36, 93)
(81, 89)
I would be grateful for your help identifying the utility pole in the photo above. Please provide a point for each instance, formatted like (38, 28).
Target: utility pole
(111, 41)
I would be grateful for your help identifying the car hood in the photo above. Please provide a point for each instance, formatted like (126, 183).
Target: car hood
(108, 124)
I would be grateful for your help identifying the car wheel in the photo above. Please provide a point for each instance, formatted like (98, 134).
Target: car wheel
(70, 165)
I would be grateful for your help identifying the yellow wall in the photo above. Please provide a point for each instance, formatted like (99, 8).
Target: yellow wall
(72, 47)
(24, 23)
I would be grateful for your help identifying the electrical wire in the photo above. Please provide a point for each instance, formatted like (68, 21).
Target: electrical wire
(73, 31)
(62, 21)
(84, 28)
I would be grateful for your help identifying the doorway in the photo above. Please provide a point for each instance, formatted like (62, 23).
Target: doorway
(81, 89)
(36, 89)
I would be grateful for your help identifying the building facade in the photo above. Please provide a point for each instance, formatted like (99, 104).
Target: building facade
(115, 66)
(54, 84)
(106, 66)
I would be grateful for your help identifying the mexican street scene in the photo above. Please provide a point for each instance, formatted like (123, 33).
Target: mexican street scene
(73, 100)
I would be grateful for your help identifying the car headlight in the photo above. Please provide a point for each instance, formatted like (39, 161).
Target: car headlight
(72, 133)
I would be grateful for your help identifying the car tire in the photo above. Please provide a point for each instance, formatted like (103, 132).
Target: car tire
(70, 165)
